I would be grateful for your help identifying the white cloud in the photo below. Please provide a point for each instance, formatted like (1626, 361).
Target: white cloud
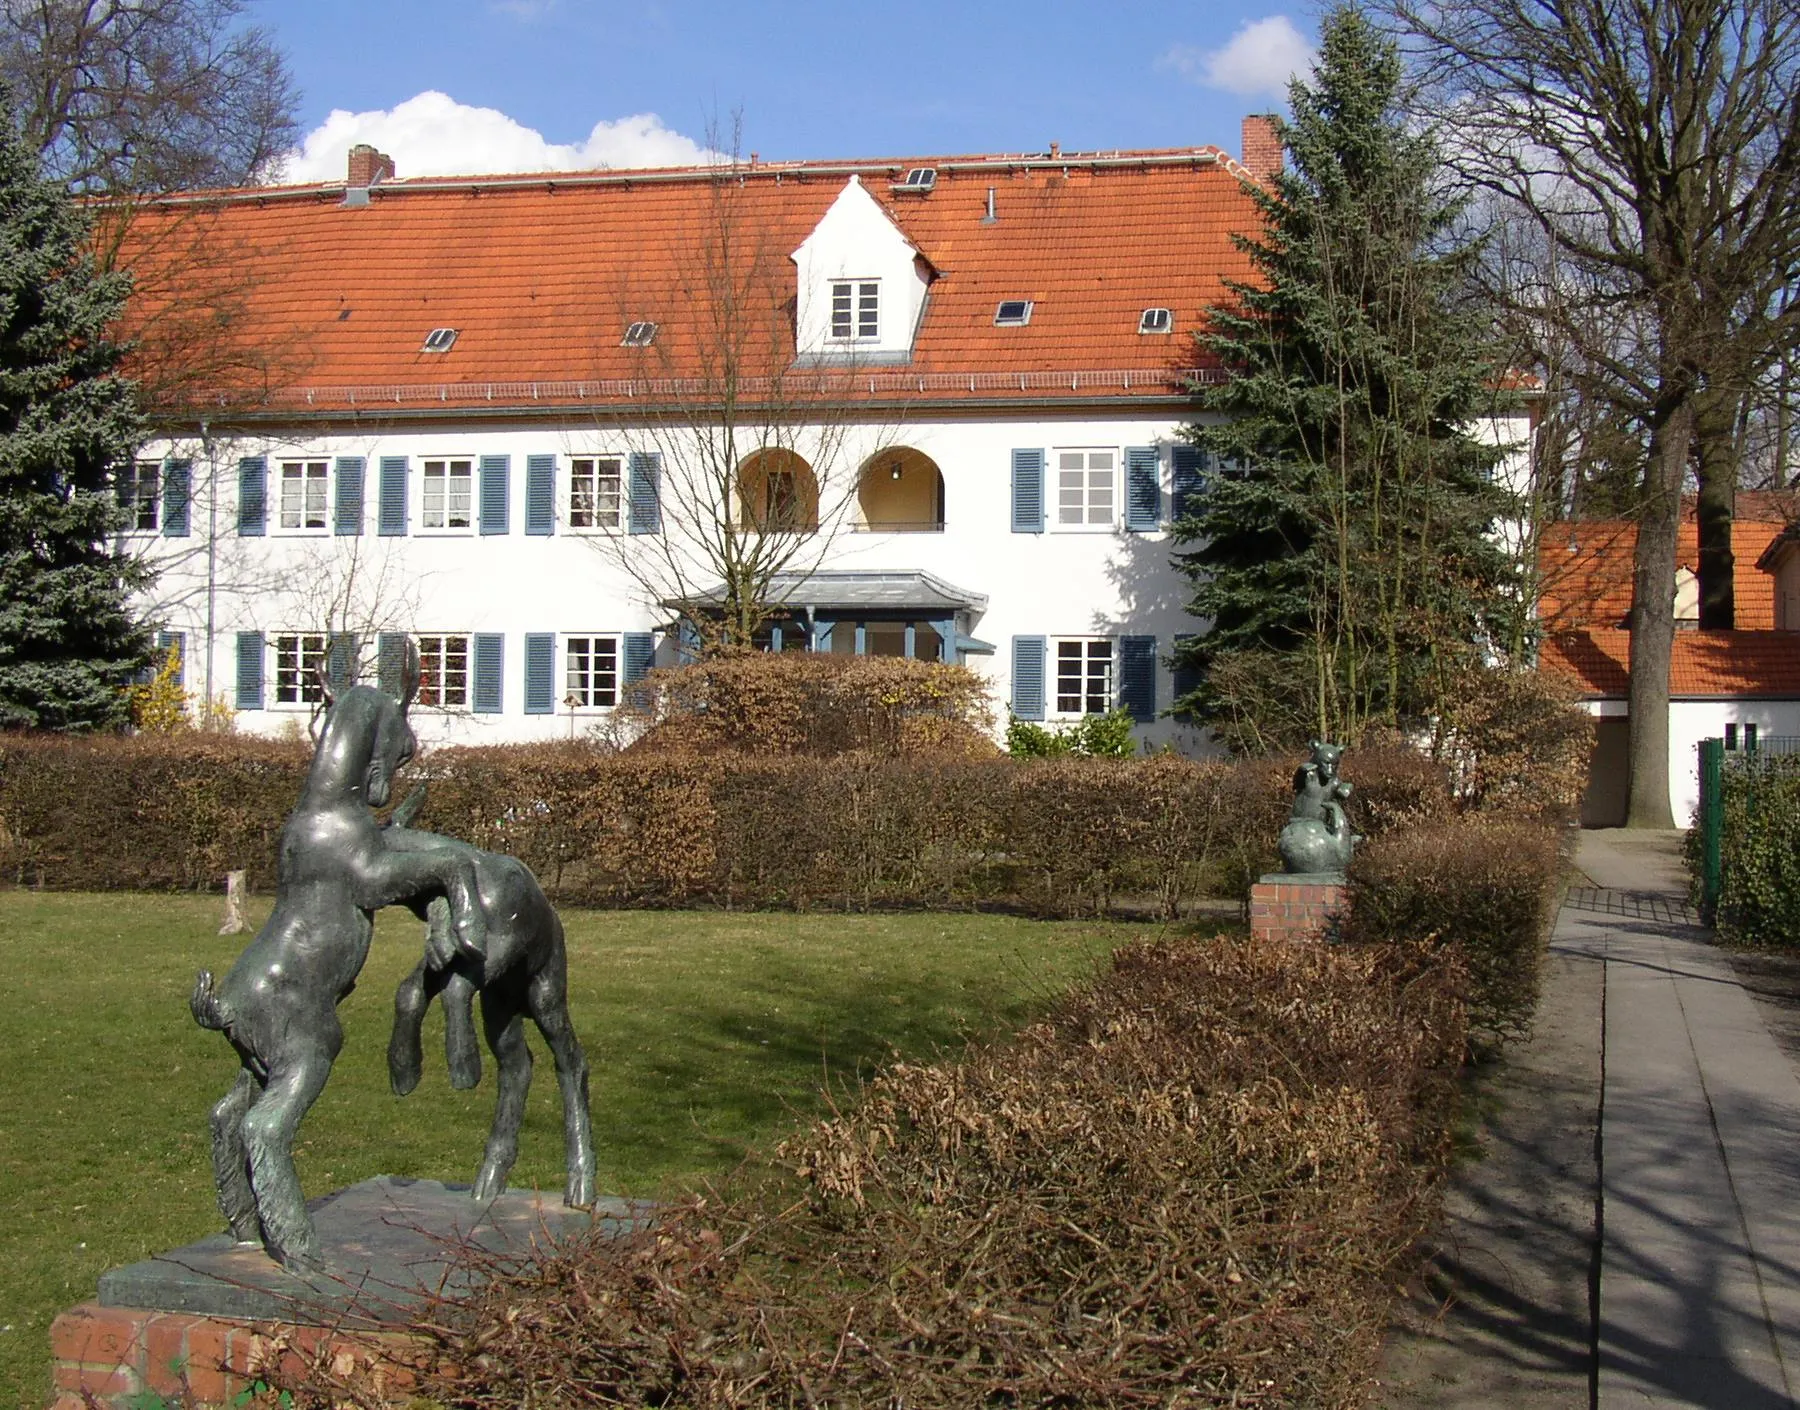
(434, 135)
(1259, 59)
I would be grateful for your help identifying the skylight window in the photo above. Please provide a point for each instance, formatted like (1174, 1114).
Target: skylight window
(1013, 313)
(639, 335)
(439, 340)
(1156, 320)
(920, 179)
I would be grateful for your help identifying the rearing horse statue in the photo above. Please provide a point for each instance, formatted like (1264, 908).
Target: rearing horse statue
(278, 1003)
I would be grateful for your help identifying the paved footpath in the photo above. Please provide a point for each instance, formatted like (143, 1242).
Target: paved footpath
(1699, 1289)
(1631, 1237)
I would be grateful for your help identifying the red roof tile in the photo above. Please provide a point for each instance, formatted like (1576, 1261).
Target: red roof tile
(1703, 665)
(542, 274)
(1584, 565)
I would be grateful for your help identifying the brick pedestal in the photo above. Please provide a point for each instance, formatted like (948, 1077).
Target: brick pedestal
(107, 1355)
(1301, 906)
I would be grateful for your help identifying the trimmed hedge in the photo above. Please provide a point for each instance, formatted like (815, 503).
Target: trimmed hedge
(645, 828)
(1196, 1182)
(1759, 851)
(1488, 887)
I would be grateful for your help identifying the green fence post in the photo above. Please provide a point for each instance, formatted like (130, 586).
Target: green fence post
(1712, 819)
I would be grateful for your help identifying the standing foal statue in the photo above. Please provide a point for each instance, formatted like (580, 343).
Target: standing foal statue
(278, 1003)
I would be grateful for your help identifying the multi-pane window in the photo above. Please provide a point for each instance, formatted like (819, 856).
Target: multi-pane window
(1086, 488)
(449, 494)
(303, 494)
(593, 673)
(856, 310)
(1084, 676)
(444, 671)
(298, 659)
(594, 494)
(139, 493)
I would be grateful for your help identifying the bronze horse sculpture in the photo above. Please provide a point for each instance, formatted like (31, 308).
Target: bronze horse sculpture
(523, 973)
(278, 1003)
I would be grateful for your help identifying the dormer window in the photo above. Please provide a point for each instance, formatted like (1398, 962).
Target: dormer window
(439, 340)
(1013, 313)
(1156, 320)
(855, 310)
(639, 335)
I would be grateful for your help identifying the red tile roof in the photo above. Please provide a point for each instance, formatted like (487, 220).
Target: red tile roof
(541, 274)
(1704, 665)
(1584, 565)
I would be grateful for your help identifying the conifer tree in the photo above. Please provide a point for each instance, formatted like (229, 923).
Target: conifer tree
(1340, 546)
(69, 646)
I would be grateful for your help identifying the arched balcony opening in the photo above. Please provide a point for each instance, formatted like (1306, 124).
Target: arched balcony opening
(901, 491)
(778, 493)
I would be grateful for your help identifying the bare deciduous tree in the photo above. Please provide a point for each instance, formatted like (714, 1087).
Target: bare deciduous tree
(147, 95)
(1656, 144)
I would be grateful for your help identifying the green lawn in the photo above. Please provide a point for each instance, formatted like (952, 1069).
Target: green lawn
(706, 1033)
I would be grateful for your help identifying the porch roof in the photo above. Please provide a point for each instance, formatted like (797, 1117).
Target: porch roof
(848, 590)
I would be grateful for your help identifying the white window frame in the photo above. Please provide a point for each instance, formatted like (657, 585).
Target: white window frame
(862, 311)
(1088, 469)
(449, 467)
(296, 658)
(598, 522)
(588, 695)
(311, 472)
(1089, 657)
(144, 474)
(438, 653)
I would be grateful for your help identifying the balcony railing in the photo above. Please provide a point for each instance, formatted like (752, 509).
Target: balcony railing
(899, 526)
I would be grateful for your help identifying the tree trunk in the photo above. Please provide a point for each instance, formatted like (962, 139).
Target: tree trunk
(1653, 617)
(1716, 444)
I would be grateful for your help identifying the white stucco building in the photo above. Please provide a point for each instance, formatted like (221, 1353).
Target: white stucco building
(487, 412)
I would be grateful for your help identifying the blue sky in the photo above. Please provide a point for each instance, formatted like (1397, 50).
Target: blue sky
(810, 79)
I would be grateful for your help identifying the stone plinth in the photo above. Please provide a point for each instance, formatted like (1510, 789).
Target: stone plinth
(205, 1320)
(1297, 906)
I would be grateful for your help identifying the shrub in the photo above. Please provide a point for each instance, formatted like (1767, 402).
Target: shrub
(1759, 851)
(1196, 1181)
(764, 703)
(1105, 736)
(1487, 887)
(1516, 741)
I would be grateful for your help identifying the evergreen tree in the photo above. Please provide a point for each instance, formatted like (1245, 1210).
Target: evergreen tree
(1340, 548)
(69, 646)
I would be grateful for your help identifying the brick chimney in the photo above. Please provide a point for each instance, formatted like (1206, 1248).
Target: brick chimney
(1262, 146)
(368, 167)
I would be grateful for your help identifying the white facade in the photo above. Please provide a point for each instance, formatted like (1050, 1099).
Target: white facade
(1690, 721)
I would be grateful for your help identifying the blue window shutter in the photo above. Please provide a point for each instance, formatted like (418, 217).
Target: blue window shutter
(639, 655)
(177, 640)
(1137, 677)
(644, 493)
(1028, 492)
(348, 520)
(177, 495)
(495, 472)
(540, 672)
(1188, 468)
(540, 494)
(489, 651)
(1028, 657)
(253, 504)
(391, 510)
(340, 660)
(1185, 677)
(390, 662)
(1143, 489)
(249, 670)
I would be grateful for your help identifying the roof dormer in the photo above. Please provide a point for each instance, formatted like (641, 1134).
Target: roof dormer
(861, 283)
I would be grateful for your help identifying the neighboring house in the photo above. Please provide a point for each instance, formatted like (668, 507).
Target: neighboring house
(1740, 685)
(447, 408)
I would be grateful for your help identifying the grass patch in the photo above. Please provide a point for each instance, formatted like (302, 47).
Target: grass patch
(705, 1030)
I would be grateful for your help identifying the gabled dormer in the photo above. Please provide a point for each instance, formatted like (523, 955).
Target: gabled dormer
(861, 283)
